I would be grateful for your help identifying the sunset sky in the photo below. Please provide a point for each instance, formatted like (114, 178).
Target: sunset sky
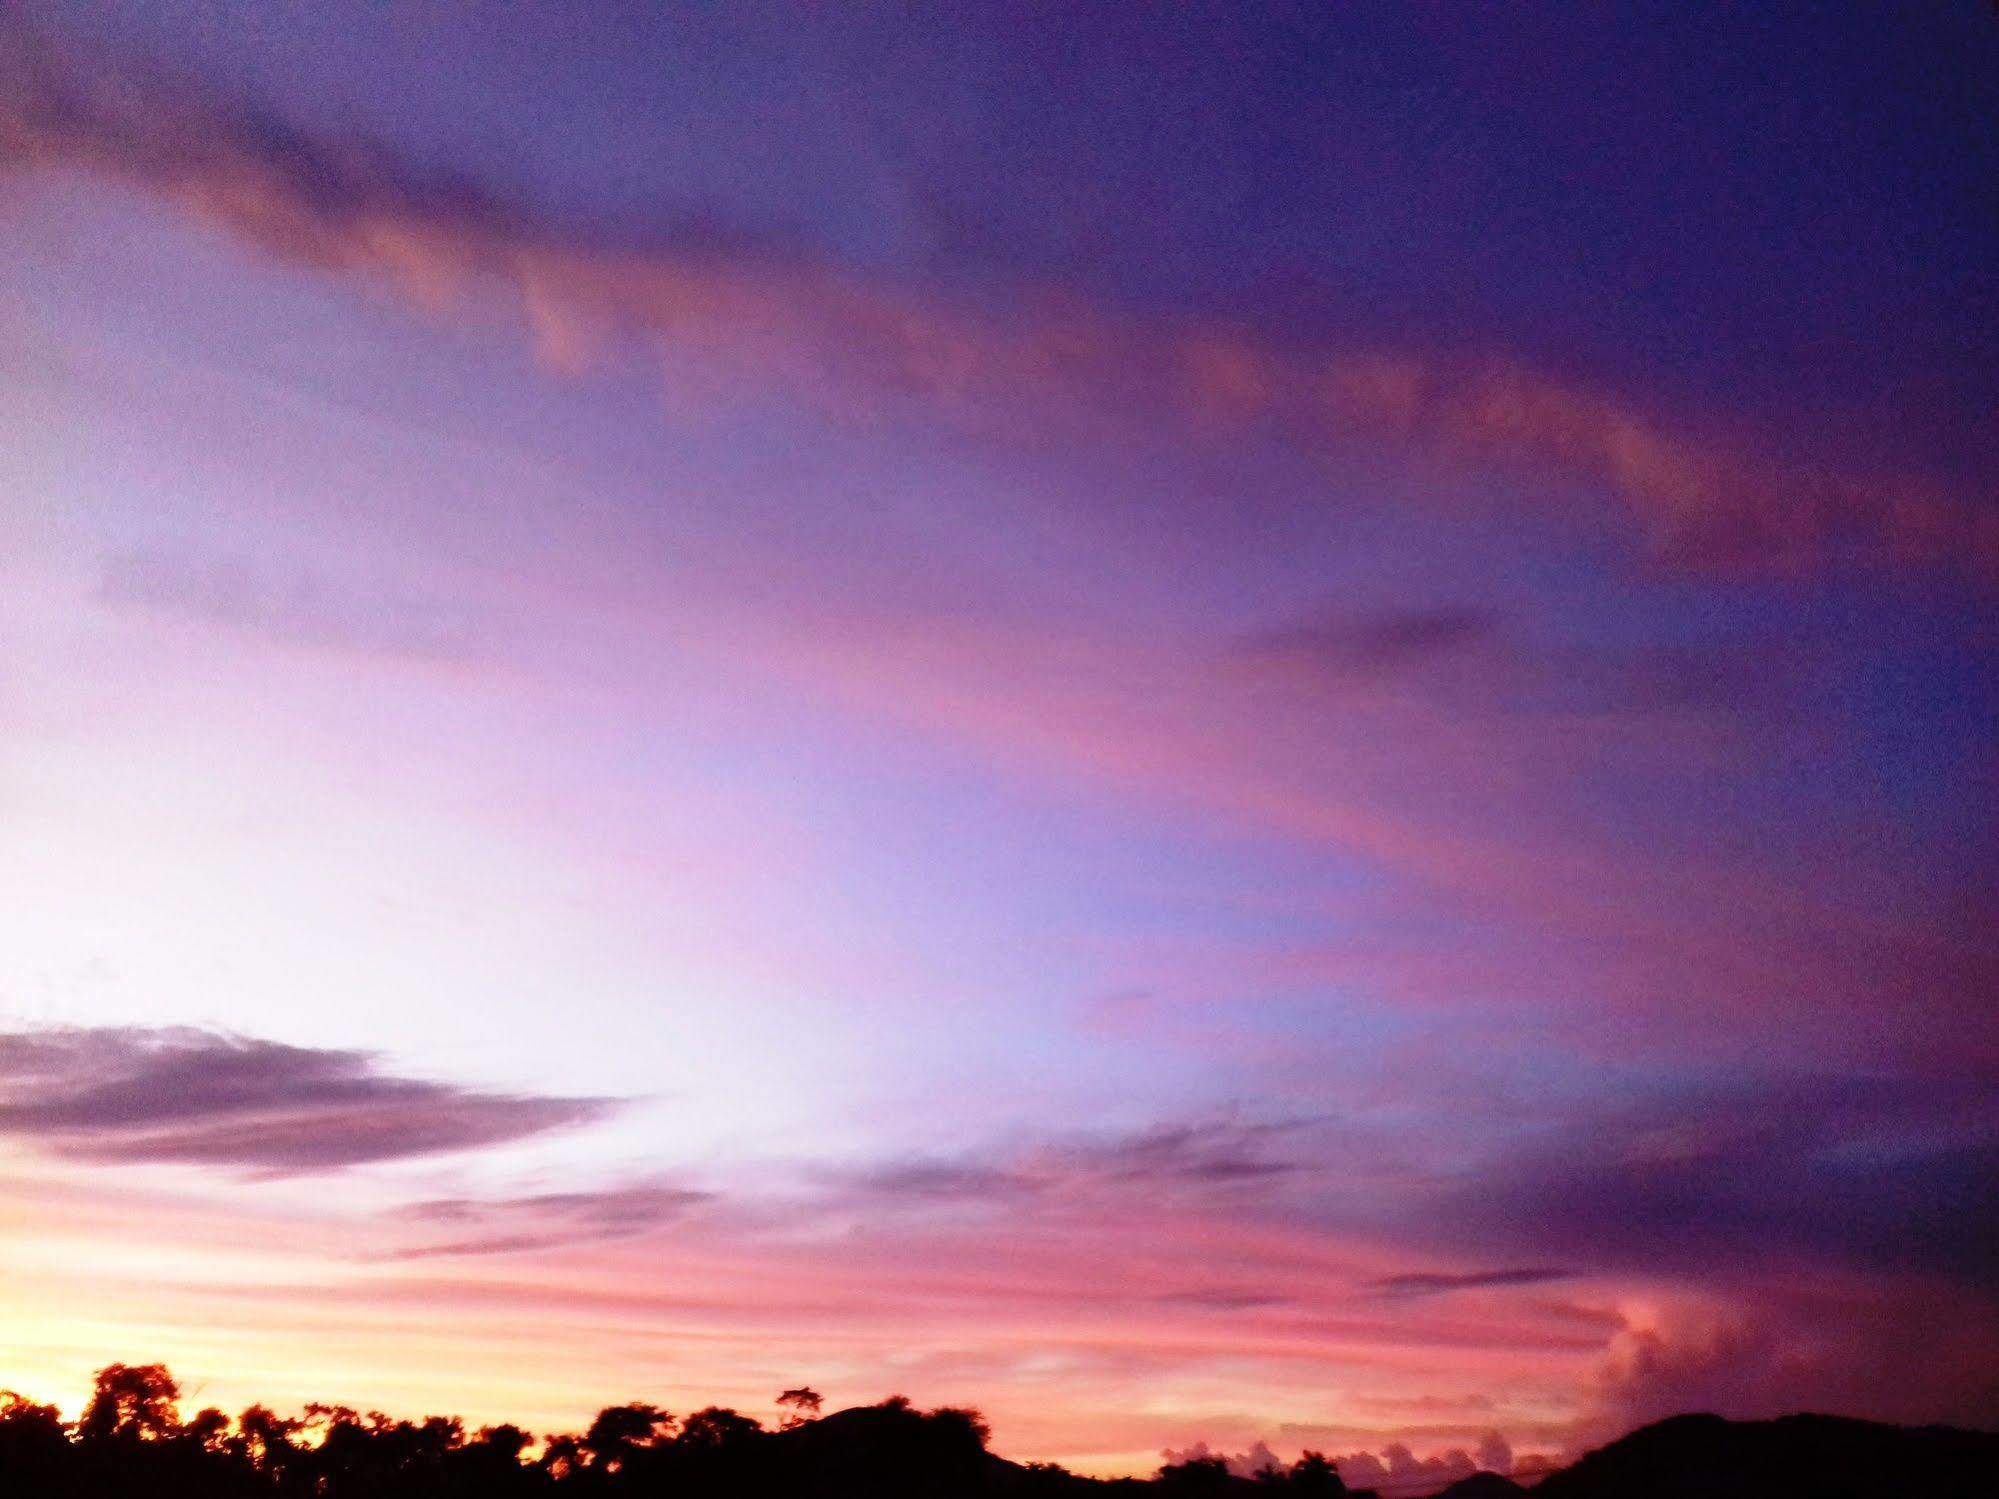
(1234, 723)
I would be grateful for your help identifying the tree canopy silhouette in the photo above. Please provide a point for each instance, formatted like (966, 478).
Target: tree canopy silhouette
(132, 1440)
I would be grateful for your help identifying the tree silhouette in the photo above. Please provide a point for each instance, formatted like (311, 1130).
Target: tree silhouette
(1196, 1475)
(717, 1426)
(621, 1431)
(208, 1429)
(265, 1439)
(504, 1442)
(800, 1405)
(131, 1402)
(33, 1443)
(562, 1457)
(1312, 1474)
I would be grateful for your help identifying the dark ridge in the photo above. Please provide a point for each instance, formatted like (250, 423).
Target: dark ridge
(1483, 1486)
(1793, 1457)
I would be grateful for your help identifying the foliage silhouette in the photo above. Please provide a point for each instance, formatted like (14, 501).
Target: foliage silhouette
(132, 1441)
(800, 1405)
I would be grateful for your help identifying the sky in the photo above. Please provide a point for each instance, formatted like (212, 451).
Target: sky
(1206, 724)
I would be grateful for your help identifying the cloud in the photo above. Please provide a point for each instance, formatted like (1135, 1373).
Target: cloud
(1637, 843)
(1203, 1155)
(1399, 1470)
(1379, 643)
(1245, 1464)
(197, 1097)
(1884, 1174)
(1222, 1299)
(545, 1220)
(1434, 1284)
(1394, 1470)
(945, 1179)
(1905, 1350)
(1711, 1175)
(726, 315)
(1481, 656)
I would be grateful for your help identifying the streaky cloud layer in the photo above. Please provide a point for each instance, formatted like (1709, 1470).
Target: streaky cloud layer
(1241, 767)
(740, 320)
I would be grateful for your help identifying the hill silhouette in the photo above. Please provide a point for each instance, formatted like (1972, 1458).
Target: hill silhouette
(132, 1441)
(1483, 1486)
(1806, 1456)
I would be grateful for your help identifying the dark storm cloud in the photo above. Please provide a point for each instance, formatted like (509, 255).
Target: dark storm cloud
(1884, 1174)
(203, 1098)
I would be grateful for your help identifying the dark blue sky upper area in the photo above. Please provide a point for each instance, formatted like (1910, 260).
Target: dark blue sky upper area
(1776, 214)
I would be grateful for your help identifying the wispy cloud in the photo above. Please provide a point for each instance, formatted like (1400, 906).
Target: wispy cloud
(1435, 1283)
(944, 1180)
(184, 1096)
(1478, 655)
(1198, 1156)
(723, 319)
(1384, 642)
(1222, 1299)
(545, 1220)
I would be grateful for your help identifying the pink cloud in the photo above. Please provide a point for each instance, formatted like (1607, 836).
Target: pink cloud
(724, 324)
(1906, 1350)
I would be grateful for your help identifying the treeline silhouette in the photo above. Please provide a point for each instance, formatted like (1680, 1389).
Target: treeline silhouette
(133, 1440)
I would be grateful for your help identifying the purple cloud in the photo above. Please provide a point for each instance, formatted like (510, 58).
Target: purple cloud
(1203, 1154)
(1377, 643)
(1463, 654)
(187, 1096)
(946, 1179)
